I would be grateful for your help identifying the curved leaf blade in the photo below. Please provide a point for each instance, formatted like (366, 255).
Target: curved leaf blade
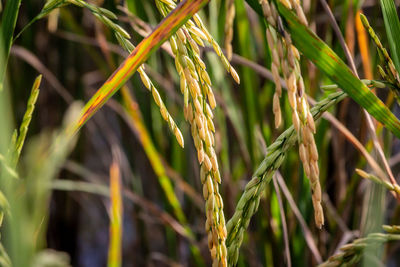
(329, 63)
(168, 26)
(313, 48)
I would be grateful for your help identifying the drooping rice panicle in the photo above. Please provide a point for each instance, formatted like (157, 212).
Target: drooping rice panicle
(163, 109)
(122, 36)
(199, 33)
(106, 17)
(350, 254)
(275, 45)
(250, 199)
(199, 101)
(389, 186)
(286, 57)
(387, 69)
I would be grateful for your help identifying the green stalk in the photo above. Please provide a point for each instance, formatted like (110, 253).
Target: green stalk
(27, 118)
(250, 199)
(350, 254)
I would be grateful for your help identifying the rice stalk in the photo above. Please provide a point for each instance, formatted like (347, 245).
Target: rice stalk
(352, 253)
(9, 162)
(26, 120)
(199, 101)
(369, 83)
(165, 182)
(106, 17)
(250, 199)
(44, 158)
(286, 57)
(183, 12)
(163, 109)
(387, 68)
(132, 110)
(123, 38)
(147, 82)
(392, 187)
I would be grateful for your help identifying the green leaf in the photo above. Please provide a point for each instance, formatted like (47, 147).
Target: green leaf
(392, 26)
(313, 48)
(8, 21)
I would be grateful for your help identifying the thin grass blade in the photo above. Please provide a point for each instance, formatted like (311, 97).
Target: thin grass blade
(316, 50)
(132, 109)
(167, 27)
(114, 250)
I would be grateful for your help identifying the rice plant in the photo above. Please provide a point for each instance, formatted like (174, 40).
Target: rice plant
(254, 133)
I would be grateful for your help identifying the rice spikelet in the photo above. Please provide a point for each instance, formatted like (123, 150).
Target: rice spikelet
(286, 58)
(199, 101)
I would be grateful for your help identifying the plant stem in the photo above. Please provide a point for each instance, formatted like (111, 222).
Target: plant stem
(250, 199)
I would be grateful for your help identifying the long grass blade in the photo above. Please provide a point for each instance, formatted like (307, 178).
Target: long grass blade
(333, 67)
(162, 32)
(153, 155)
(114, 250)
(328, 62)
(155, 159)
(392, 26)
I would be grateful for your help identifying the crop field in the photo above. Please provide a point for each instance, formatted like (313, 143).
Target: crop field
(199, 133)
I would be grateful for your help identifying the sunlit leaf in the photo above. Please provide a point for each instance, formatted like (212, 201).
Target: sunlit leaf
(167, 27)
(313, 48)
